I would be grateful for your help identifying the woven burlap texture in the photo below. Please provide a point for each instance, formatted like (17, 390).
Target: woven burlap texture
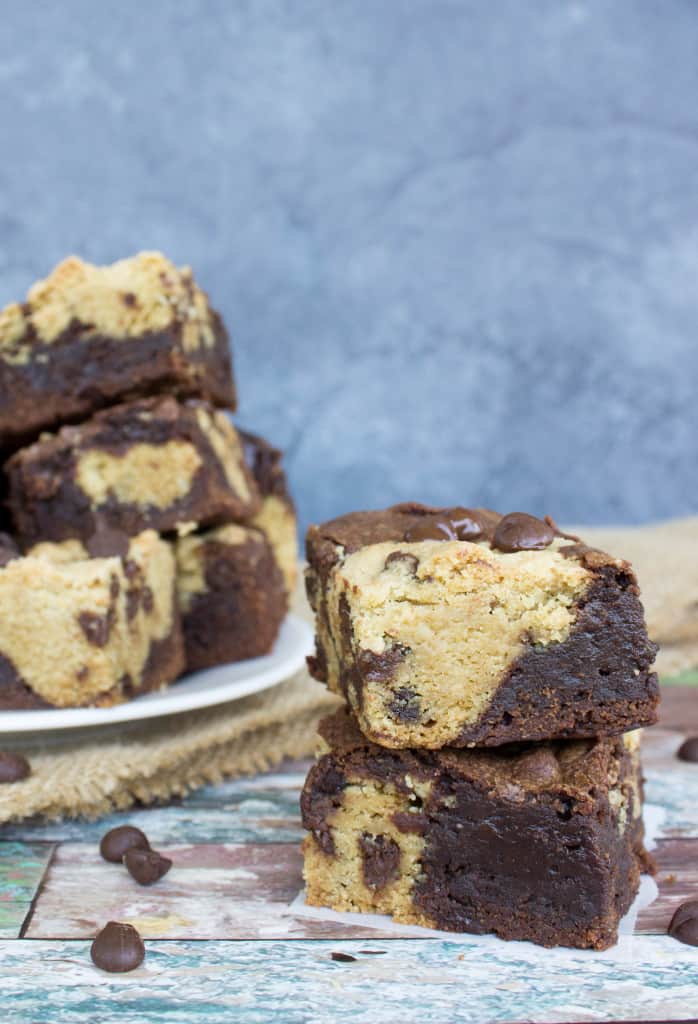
(91, 772)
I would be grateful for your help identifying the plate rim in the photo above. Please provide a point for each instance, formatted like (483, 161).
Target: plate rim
(43, 720)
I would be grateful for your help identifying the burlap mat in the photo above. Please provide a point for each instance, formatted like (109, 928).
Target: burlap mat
(91, 772)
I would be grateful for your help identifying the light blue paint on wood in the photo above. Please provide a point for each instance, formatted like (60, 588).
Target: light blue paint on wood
(298, 983)
(22, 866)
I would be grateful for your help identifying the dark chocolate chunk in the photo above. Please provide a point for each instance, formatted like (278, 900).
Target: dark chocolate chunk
(684, 923)
(688, 751)
(118, 948)
(107, 543)
(520, 532)
(380, 859)
(402, 559)
(343, 958)
(117, 841)
(382, 666)
(146, 866)
(404, 707)
(95, 627)
(13, 767)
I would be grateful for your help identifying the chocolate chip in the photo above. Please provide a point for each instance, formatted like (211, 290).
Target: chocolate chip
(403, 560)
(13, 767)
(437, 527)
(468, 524)
(684, 923)
(380, 859)
(129, 299)
(95, 627)
(520, 532)
(117, 841)
(688, 751)
(537, 768)
(404, 706)
(146, 866)
(343, 958)
(107, 543)
(118, 948)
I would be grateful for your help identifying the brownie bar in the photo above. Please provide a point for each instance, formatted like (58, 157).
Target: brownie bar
(88, 337)
(87, 626)
(461, 627)
(231, 594)
(531, 841)
(277, 516)
(156, 463)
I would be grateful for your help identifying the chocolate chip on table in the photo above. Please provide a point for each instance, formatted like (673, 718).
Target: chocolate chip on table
(13, 767)
(118, 948)
(688, 751)
(146, 866)
(343, 958)
(520, 532)
(115, 843)
(684, 923)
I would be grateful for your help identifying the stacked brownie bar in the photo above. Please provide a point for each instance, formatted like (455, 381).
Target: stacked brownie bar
(146, 534)
(484, 774)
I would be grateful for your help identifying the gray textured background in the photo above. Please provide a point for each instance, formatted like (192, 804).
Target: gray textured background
(456, 242)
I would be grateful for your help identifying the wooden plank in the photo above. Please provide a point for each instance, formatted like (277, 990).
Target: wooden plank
(212, 892)
(677, 880)
(434, 982)
(22, 867)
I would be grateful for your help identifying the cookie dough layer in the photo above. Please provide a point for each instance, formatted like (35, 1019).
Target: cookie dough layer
(231, 595)
(91, 336)
(518, 633)
(156, 463)
(277, 516)
(540, 841)
(77, 630)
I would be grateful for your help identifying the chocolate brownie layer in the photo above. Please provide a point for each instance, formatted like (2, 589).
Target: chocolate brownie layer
(231, 594)
(461, 627)
(156, 463)
(277, 516)
(79, 629)
(531, 841)
(90, 336)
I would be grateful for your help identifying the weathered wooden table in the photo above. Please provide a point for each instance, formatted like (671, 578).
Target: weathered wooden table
(223, 945)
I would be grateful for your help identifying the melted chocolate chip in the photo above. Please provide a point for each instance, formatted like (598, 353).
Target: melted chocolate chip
(343, 958)
(404, 707)
(688, 751)
(404, 560)
(107, 543)
(380, 859)
(379, 667)
(118, 841)
(118, 948)
(438, 527)
(146, 866)
(520, 532)
(95, 627)
(13, 767)
(684, 923)
(538, 768)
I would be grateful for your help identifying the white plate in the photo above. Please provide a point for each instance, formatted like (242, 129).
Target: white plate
(198, 690)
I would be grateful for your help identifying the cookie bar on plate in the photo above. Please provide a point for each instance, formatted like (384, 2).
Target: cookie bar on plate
(87, 626)
(531, 841)
(91, 336)
(155, 463)
(461, 627)
(277, 516)
(231, 594)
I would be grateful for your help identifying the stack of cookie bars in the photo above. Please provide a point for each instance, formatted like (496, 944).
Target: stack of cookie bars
(145, 535)
(484, 773)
